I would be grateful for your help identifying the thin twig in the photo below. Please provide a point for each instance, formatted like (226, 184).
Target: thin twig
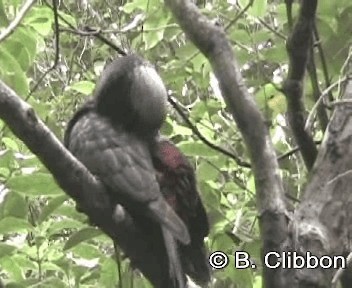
(322, 59)
(340, 271)
(239, 15)
(11, 28)
(292, 151)
(57, 47)
(310, 117)
(194, 129)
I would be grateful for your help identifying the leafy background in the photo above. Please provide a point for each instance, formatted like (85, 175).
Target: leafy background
(44, 241)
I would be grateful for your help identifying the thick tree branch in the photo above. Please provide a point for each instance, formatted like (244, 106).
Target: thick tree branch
(322, 222)
(298, 48)
(212, 42)
(77, 182)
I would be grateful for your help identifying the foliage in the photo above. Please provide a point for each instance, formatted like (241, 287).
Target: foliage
(44, 241)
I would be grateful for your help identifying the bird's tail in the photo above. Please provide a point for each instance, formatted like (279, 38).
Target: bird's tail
(195, 263)
(164, 214)
(177, 276)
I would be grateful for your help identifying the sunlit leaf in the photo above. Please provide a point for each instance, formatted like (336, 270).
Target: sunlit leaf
(34, 184)
(11, 224)
(80, 236)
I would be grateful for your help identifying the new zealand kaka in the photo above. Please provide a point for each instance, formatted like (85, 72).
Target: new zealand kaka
(115, 135)
(178, 185)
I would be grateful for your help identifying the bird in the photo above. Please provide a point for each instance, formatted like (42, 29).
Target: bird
(116, 135)
(177, 182)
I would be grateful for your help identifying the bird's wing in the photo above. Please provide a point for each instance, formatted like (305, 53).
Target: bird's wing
(178, 184)
(123, 163)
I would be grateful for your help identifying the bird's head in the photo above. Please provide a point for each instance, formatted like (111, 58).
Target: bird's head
(131, 93)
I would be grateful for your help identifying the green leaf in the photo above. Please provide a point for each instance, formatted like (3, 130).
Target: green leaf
(196, 149)
(52, 205)
(84, 87)
(58, 226)
(12, 73)
(4, 21)
(210, 196)
(199, 110)
(12, 268)
(6, 249)
(7, 158)
(41, 19)
(86, 251)
(205, 128)
(40, 107)
(258, 8)
(166, 129)
(258, 281)
(47, 266)
(206, 172)
(241, 35)
(68, 18)
(108, 275)
(24, 262)
(15, 205)
(23, 46)
(254, 249)
(68, 210)
(5, 172)
(50, 282)
(276, 54)
(154, 27)
(264, 94)
(11, 224)
(186, 51)
(22, 284)
(277, 104)
(199, 62)
(18, 50)
(241, 277)
(82, 235)
(182, 130)
(133, 5)
(10, 143)
(35, 184)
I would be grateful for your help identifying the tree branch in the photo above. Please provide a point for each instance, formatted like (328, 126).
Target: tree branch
(212, 42)
(298, 48)
(322, 222)
(78, 182)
